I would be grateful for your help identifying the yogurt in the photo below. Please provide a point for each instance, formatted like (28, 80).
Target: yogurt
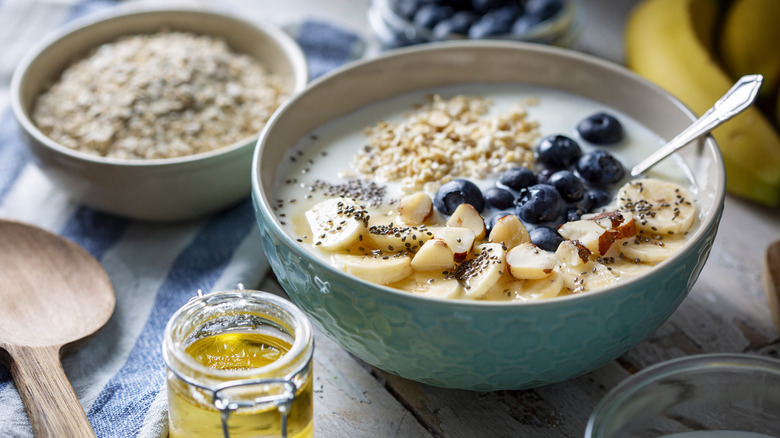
(322, 166)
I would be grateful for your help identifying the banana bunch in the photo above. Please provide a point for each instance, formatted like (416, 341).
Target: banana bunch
(692, 50)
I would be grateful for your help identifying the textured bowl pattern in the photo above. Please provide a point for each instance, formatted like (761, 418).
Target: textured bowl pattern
(482, 345)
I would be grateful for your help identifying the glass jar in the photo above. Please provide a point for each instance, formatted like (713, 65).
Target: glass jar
(707, 395)
(239, 364)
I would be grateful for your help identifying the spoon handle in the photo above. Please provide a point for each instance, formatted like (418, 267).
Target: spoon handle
(52, 406)
(736, 100)
(772, 281)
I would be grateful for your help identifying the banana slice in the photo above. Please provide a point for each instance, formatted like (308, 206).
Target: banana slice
(625, 269)
(527, 262)
(532, 290)
(586, 277)
(650, 248)
(437, 286)
(336, 223)
(376, 269)
(479, 273)
(394, 238)
(658, 206)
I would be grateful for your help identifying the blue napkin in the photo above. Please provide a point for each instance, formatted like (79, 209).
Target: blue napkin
(119, 375)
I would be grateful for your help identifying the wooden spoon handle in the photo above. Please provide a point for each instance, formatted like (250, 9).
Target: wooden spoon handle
(772, 281)
(51, 403)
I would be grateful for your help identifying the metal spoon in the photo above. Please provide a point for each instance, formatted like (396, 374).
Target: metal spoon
(736, 100)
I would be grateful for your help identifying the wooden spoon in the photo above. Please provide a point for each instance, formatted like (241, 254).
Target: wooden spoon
(53, 296)
(772, 281)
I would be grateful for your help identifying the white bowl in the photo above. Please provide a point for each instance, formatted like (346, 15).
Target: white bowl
(169, 189)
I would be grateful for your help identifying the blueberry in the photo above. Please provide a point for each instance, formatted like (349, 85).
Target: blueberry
(601, 128)
(594, 198)
(524, 23)
(574, 214)
(495, 22)
(558, 151)
(458, 191)
(499, 198)
(539, 203)
(544, 175)
(543, 9)
(571, 188)
(459, 23)
(430, 13)
(545, 238)
(482, 6)
(600, 168)
(517, 178)
(407, 8)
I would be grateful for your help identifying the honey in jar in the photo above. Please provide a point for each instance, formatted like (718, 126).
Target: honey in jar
(239, 365)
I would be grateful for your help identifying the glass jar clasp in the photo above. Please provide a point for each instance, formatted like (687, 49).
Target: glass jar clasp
(282, 401)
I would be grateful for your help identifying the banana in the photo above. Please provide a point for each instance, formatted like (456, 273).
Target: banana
(394, 238)
(437, 286)
(648, 248)
(748, 41)
(666, 43)
(658, 207)
(625, 269)
(479, 273)
(376, 269)
(336, 223)
(532, 290)
(586, 277)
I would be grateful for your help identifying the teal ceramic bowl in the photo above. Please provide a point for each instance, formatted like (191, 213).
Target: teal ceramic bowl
(482, 345)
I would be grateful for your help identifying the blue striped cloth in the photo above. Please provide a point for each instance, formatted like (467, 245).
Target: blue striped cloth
(119, 375)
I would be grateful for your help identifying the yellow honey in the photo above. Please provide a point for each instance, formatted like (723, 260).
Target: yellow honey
(261, 378)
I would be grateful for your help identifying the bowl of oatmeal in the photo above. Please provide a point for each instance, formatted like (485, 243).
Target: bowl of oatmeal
(477, 228)
(152, 114)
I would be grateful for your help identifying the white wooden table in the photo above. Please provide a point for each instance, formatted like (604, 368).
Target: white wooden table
(725, 312)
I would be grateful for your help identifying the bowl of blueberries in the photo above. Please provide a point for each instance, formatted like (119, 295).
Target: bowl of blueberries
(398, 23)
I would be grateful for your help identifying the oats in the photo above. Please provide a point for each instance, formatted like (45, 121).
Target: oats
(447, 139)
(162, 95)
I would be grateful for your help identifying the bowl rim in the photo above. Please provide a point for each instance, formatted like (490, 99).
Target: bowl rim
(708, 144)
(697, 362)
(83, 25)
